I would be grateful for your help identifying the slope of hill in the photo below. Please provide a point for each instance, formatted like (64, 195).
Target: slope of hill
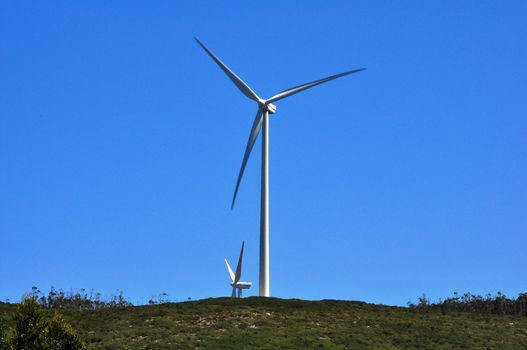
(270, 323)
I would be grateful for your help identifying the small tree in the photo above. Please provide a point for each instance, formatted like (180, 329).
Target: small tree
(30, 326)
(34, 331)
(423, 302)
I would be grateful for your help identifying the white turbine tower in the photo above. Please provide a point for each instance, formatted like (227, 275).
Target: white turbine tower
(261, 121)
(235, 278)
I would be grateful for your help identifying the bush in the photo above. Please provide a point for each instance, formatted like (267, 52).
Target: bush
(34, 331)
(30, 326)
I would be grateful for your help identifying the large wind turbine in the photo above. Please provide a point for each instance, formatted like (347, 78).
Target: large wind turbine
(261, 121)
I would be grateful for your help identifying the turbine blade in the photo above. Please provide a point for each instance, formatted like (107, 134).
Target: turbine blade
(230, 270)
(297, 89)
(239, 267)
(244, 88)
(255, 130)
(233, 291)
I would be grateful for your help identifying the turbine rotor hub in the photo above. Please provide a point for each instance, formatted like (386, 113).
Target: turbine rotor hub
(271, 108)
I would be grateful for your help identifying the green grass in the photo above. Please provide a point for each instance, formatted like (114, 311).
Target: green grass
(270, 323)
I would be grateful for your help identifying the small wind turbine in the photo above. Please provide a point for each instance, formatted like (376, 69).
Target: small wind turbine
(261, 121)
(235, 278)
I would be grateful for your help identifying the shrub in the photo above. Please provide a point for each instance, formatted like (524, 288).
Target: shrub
(30, 326)
(33, 330)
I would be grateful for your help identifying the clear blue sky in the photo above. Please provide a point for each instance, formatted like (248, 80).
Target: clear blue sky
(120, 143)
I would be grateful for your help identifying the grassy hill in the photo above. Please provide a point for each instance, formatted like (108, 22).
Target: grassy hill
(270, 323)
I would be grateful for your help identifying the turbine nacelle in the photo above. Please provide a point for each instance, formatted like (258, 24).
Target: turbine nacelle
(242, 285)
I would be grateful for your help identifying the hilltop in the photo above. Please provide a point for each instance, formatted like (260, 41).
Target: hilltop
(271, 323)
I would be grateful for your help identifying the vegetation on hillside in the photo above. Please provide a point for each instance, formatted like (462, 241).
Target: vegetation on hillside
(270, 323)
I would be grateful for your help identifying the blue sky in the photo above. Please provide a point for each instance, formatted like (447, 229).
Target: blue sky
(120, 143)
